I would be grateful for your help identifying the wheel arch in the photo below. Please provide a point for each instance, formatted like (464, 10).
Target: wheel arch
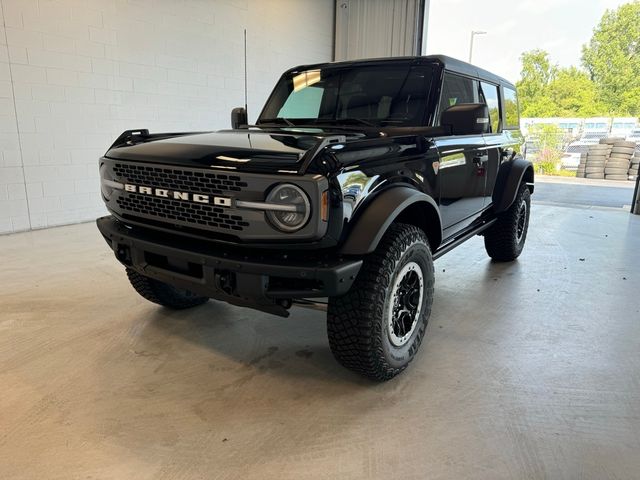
(510, 175)
(395, 205)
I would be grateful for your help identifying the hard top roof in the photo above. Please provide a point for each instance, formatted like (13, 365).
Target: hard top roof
(451, 64)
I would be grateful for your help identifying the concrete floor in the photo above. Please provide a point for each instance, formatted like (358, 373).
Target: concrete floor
(529, 370)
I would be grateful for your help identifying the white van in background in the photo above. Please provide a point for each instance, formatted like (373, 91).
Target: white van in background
(634, 135)
(594, 129)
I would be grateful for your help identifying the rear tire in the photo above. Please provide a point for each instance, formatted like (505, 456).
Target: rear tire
(162, 293)
(378, 326)
(505, 239)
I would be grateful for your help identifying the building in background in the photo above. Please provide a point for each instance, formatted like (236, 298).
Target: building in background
(380, 28)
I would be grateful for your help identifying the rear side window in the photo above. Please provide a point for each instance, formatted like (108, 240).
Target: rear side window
(490, 94)
(457, 90)
(511, 112)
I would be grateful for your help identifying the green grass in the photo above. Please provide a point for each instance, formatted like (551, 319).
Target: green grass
(564, 173)
(556, 173)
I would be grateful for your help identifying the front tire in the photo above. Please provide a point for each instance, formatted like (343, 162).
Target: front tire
(376, 328)
(505, 239)
(162, 293)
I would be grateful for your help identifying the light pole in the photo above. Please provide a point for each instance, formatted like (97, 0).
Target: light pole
(473, 34)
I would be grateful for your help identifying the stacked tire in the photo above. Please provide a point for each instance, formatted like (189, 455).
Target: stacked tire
(611, 140)
(596, 160)
(619, 161)
(581, 172)
(634, 165)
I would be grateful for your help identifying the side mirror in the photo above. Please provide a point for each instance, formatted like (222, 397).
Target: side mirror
(239, 118)
(466, 119)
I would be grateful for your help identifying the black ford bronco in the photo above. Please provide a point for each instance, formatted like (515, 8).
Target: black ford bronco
(355, 177)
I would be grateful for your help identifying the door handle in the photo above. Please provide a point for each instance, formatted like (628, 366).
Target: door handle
(480, 160)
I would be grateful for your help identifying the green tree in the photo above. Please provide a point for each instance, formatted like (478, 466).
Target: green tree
(612, 58)
(536, 75)
(573, 94)
(547, 90)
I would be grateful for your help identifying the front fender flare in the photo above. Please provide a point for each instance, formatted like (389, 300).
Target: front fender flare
(510, 175)
(382, 211)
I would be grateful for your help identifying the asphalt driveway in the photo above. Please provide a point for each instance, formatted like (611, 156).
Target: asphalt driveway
(582, 192)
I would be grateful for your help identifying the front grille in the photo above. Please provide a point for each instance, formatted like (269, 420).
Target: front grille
(175, 210)
(179, 179)
(179, 212)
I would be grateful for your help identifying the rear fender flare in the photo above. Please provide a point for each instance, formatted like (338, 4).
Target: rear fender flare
(510, 175)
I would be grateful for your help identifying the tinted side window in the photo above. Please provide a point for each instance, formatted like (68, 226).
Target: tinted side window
(457, 90)
(511, 112)
(490, 94)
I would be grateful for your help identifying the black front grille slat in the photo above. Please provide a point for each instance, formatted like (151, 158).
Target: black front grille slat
(209, 183)
(179, 212)
(168, 209)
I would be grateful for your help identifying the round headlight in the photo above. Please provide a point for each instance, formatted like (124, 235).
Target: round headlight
(104, 187)
(294, 211)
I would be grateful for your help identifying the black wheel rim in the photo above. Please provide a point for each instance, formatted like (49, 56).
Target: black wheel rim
(405, 303)
(521, 222)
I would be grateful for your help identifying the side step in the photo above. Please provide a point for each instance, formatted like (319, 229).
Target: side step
(322, 304)
(462, 238)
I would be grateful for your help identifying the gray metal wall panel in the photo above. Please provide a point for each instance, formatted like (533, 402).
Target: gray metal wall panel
(379, 28)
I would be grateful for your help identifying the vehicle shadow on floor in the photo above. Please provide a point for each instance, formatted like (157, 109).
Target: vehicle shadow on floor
(296, 346)
(248, 343)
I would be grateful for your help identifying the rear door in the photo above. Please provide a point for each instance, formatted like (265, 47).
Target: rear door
(463, 160)
(505, 139)
(496, 140)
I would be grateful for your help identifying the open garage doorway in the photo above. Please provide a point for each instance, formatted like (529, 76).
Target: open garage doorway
(591, 171)
(577, 70)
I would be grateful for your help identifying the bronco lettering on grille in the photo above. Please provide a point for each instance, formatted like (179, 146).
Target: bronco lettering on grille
(176, 195)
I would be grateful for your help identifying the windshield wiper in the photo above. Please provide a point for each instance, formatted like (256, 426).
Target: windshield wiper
(338, 121)
(277, 120)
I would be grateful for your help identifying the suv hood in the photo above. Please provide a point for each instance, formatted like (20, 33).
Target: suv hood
(243, 150)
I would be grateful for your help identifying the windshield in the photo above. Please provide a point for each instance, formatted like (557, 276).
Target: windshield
(377, 95)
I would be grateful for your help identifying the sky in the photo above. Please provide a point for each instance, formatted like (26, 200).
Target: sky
(560, 27)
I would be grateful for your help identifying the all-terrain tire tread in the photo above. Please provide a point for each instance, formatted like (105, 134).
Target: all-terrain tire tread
(352, 328)
(499, 239)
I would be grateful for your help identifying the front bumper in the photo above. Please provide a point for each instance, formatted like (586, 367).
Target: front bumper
(264, 281)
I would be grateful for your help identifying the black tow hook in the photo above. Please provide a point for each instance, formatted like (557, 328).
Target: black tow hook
(123, 253)
(224, 281)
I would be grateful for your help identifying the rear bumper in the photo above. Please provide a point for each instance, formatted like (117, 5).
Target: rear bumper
(253, 280)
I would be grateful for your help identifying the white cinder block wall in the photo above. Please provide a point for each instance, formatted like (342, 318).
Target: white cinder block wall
(76, 73)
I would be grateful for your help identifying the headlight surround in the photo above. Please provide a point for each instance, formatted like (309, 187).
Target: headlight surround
(288, 195)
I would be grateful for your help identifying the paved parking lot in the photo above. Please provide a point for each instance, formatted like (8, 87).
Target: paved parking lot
(583, 192)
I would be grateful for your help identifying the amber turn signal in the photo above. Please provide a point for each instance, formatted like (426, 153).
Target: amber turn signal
(324, 211)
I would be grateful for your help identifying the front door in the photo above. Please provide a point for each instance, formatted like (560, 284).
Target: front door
(462, 175)
(463, 160)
